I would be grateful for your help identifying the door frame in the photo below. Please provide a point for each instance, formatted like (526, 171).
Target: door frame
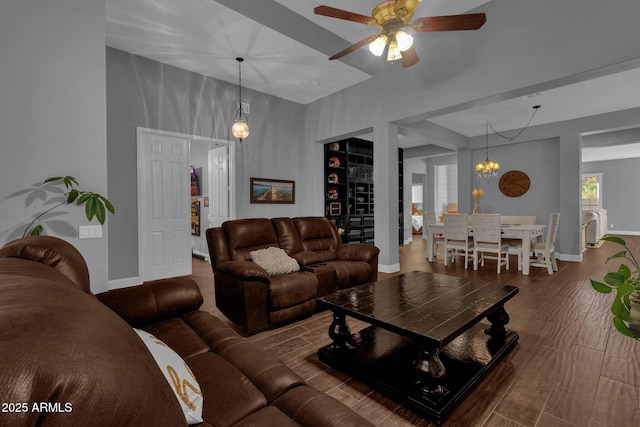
(141, 203)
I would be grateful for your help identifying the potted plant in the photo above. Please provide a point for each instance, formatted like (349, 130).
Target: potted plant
(95, 205)
(626, 283)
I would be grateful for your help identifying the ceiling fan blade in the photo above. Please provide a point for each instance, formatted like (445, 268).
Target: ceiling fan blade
(409, 57)
(471, 21)
(405, 8)
(332, 12)
(355, 46)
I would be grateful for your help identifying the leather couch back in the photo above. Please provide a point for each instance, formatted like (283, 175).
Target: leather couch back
(59, 344)
(51, 252)
(317, 234)
(246, 235)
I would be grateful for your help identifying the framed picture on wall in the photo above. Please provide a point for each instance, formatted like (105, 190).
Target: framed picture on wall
(264, 190)
(195, 217)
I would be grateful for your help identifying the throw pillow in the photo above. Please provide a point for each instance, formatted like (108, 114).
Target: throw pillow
(274, 260)
(178, 375)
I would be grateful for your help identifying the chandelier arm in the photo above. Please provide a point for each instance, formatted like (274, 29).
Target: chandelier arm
(511, 138)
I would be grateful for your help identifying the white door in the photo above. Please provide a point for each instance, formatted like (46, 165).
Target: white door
(164, 214)
(219, 189)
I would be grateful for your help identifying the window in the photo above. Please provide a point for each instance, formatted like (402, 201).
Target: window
(591, 191)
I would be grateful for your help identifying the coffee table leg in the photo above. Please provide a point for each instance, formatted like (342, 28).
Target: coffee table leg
(498, 319)
(429, 371)
(339, 331)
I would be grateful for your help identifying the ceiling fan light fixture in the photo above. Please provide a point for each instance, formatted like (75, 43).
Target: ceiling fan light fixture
(404, 40)
(393, 53)
(377, 46)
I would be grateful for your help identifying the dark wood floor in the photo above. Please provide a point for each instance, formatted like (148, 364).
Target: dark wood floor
(569, 368)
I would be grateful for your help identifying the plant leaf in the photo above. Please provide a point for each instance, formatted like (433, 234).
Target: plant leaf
(618, 255)
(101, 214)
(624, 271)
(90, 208)
(614, 279)
(83, 198)
(72, 196)
(618, 307)
(53, 179)
(601, 287)
(615, 239)
(35, 231)
(623, 328)
(108, 204)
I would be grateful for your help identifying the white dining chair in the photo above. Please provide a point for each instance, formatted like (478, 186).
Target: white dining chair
(487, 238)
(544, 253)
(457, 239)
(438, 239)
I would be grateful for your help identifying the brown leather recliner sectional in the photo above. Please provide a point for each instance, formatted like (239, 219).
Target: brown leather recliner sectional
(248, 296)
(70, 358)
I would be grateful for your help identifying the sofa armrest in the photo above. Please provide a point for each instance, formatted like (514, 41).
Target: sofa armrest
(244, 271)
(154, 301)
(357, 252)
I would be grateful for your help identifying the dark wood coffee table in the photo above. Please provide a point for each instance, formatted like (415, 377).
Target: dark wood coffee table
(425, 347)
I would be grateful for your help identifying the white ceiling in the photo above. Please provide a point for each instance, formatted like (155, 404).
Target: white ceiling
(286, 56)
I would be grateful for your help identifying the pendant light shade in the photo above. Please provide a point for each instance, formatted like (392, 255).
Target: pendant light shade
(240, 127)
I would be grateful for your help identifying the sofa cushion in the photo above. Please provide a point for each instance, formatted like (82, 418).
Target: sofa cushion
(178, 375)
(246, 235)
(274, 260)
(229, 395)
(179, 336)
(351, 273)
(153, 301)
(288, 237)
(318, 234)
(291, 289)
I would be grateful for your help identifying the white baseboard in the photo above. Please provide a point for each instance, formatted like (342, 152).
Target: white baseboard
(124, 283)
(393, 268)
(624, 233)
(201, 254)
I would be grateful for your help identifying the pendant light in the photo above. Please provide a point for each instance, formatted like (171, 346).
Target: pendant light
(240, 128)
(488, 168)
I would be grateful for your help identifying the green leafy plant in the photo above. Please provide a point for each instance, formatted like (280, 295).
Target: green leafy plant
(626, 283)
(95, 205)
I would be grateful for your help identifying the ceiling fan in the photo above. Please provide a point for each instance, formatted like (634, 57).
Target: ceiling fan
(391, 17)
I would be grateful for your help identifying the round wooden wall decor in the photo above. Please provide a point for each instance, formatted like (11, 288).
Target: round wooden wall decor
(514, 183)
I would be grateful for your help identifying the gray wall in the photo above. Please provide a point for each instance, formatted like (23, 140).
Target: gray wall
(619, 180)
(145, 93)
(52, 113)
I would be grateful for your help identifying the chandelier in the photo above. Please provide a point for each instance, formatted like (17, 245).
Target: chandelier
(240, 128)
(487, 168)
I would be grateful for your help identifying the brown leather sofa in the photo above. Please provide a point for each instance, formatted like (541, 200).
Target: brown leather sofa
(70, 358)
(250, 297)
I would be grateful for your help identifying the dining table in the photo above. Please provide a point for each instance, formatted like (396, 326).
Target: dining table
(525, 233)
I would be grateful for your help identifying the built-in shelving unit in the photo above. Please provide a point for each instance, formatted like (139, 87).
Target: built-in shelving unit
(349, 197)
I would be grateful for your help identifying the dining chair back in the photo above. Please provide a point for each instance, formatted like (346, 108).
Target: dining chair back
(457, 238)
(438, 239)
(487, 238)
(544, 253)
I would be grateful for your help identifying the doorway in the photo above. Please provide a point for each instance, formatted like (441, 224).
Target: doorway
(165, 227)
